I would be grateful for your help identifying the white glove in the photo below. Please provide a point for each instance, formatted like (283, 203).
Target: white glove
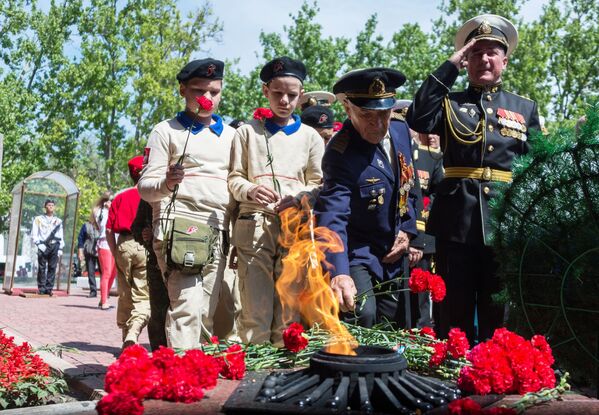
(60, 252)
(42, 247)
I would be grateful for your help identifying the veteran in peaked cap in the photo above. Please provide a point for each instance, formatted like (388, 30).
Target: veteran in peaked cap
(488, 27)
(202, 68)
(371, 89)
(322, 98)
(367, 197)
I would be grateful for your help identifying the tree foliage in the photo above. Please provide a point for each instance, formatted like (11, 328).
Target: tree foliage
(83, 82)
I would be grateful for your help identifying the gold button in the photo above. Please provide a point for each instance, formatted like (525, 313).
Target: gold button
(490, 148)
(486, 190)
(490, 128)
(489, 111)
(489, 98)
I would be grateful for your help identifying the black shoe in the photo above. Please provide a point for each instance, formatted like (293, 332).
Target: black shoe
(50, 293)
(92, 295)
(41, 292)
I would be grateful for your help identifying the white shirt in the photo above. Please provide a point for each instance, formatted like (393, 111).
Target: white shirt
(43, 225)
(101, 219)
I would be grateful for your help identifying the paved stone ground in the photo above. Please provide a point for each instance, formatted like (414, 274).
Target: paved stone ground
(76, 322)
(73, 321)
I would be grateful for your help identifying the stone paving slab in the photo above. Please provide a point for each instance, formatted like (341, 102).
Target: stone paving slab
(75, 321)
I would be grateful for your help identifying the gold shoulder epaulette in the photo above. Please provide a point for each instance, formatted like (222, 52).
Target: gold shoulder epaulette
(521, 96)
(428, 148)
(397, 116)
(340, 143)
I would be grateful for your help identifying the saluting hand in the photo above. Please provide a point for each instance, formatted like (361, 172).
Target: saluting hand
(344, 290)
(174, 175)
(400, 247)
(263, 195)
(459, 57)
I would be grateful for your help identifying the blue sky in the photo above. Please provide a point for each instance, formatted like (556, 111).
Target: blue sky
(243, 20)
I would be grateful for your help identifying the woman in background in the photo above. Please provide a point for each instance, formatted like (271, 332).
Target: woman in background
(107, 265)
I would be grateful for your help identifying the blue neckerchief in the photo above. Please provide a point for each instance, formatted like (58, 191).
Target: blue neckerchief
(274, 128)
(217, 127)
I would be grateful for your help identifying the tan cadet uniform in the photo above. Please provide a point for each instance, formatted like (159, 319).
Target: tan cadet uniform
(203, 196)
(297, 153)
(133, 311)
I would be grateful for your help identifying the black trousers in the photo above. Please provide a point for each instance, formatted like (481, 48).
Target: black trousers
(46, 268)
(159, 302)
(381, 305)
(90, 263)
(421, 303)
(470, 274)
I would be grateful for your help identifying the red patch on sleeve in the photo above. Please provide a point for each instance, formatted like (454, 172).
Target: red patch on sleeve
(146, 155)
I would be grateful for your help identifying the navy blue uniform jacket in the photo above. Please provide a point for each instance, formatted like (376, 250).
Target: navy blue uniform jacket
(359, 200)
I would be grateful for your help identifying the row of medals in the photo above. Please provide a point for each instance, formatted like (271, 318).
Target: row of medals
(376, 200)
(512, 128)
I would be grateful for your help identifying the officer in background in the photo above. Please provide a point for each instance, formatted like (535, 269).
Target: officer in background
(46, 234)
(366, 199)
(322, 98)
(321, 119)
(428, 165)
(482, 129)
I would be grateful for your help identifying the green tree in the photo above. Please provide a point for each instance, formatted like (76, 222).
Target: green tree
(35, 110)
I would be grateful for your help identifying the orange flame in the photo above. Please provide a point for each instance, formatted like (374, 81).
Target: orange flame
(303, 285)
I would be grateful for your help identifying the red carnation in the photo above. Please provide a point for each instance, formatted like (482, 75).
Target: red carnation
(428, 331)
(426, 201)
(263, 113)
(508, 364)
(464, 406)
(133, 373)
(294, 338)
(439, 354)
(233, 363)
(337, 126)
(120, 403)
(418, 281)
(457, 343)
(436, 286)
(214, 340)
(205, 103)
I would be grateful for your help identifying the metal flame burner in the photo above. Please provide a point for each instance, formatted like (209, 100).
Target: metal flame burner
(376, 380)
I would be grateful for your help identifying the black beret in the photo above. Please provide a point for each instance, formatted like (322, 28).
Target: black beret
(283, 66)
(236, 123)
(202, 68)
(372, 88)
(318, 116)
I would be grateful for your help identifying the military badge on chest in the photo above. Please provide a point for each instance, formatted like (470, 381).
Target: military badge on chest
(406, 182)
(512, 124)
(376, 193)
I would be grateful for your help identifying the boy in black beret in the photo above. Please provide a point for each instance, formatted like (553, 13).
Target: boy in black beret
(189, 155)
(321, 119)
(273, 160)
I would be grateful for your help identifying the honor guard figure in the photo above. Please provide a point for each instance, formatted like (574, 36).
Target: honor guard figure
(46, 234)
(482, 129)
(366, 198)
